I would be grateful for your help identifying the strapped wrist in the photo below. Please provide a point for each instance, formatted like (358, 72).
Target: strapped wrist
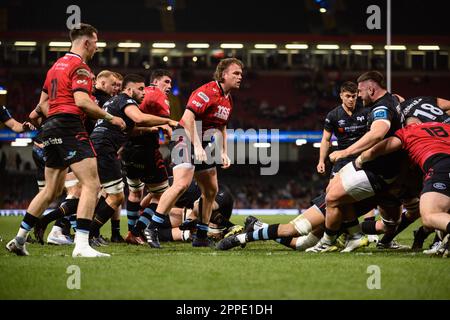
(108, 117)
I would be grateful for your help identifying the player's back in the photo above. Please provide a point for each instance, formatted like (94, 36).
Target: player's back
(426, 109)
(425, 140)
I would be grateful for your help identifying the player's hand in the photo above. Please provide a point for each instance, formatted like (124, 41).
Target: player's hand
(321, 167)
(336, 155)
(167, 130)
(199, 153)
(27, 126)
(117, 121)
(226, 162)
(173, 123)
(358, 163)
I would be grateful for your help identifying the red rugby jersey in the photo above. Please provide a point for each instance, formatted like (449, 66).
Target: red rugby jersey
(155, 102)
(68, 75)
(210, 105)
(425, 140)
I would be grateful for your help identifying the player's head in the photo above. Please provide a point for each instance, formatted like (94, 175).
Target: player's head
(106, 81)
(85, 38)
(369, 84)
(162, 79)
(117, 83)
(349, 93)
(133, 86)
(229, 73)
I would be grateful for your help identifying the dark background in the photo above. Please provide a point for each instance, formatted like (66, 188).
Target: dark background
(344, 17)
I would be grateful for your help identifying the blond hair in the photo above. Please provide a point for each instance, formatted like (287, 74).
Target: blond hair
(223, 65)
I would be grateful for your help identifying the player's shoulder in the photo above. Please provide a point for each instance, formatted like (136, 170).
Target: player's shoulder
(416, 101)
(334, 113)
(125, 100)
(153, 90)
(208, 91)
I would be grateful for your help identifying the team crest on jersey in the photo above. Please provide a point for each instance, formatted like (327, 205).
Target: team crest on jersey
(361, 118)
(203, 96)
(439, 186)
(341, 122)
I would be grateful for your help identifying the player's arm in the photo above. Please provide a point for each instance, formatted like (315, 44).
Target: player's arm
(146, 120)
(40, 111)
(325, 144)
(83, 101)
(12, 123)
(444, 105)
(191, 129)
(386, 146)
(226, 162)
(399, 97)
(377, 131)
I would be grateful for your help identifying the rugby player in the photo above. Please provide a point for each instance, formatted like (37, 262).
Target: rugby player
(210, 105)
(68, 88)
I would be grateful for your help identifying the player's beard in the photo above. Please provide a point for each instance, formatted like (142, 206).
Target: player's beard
(136, 98)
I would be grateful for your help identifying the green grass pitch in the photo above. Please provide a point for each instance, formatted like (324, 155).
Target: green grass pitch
(263, 270)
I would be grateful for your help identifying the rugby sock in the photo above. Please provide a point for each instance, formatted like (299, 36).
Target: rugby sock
(132, 213)
(82, 233)
(73, 221)
(67, 208)
(369, 227)
(265, 233)
(330, 236)
(165, 234)
(66, 225)
(202, 230)
(26, 225)
(60, 223)
(103, 213)
(185, 235)
(404, 223)
(353, 227)
(144, 219)
(448, 227)
(305, 242)
(285, 241)
(157, 220)
(115, 228)
(56, 214)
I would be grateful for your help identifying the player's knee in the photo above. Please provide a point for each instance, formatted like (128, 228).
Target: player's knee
(427, 220)
(332, 199)
(116, 199)
(180, 187)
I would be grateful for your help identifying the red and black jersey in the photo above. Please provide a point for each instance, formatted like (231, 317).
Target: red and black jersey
(210, 105)
(68, 75)
(425, 140)
(155, 102)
